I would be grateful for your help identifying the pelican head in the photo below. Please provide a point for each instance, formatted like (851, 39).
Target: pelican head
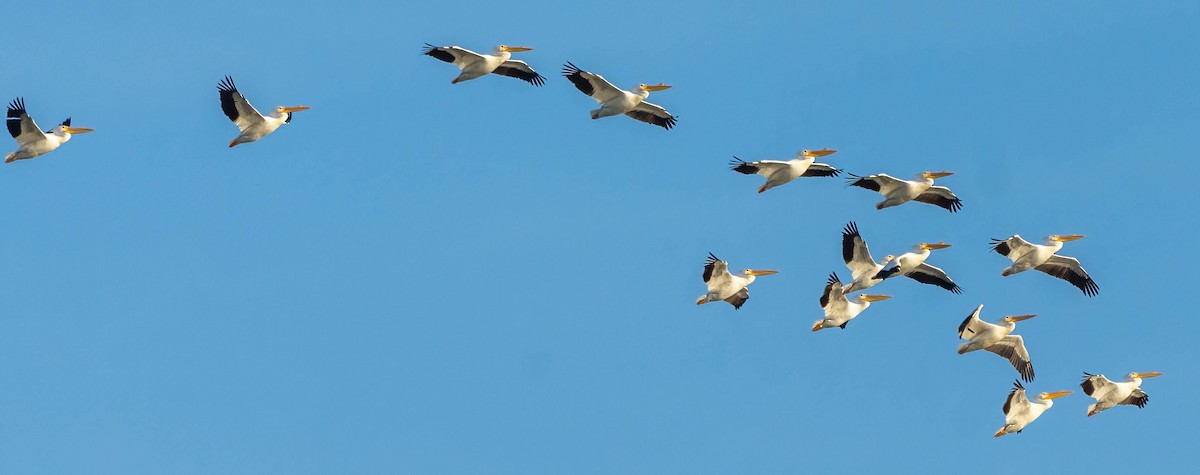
(511, 49)
(1017, 318)
(1064, 237)
(925, 246)
(818, 153)
(652, 88)
(1152, 374)
(932, 175)
(66, 130)
(1053, 395)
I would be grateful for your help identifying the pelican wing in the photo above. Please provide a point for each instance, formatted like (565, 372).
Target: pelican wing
(1069, 269)
(927, 274)
(453, 54)
(821, 169)
(236, 107)
(739, 298)
(833, 291)
(21, 126)
(715, 267)
(972, 325)
(1016, 398)
(1013, 247)
(855, 252)
(518, 69)
(593, 85)
(1136, 398)
(652, 114)
(1093, 383)
(1012, 348)
(761, 167)
(881, 182)
(942, 197)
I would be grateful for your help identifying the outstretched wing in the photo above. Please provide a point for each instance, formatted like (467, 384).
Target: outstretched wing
(833, 291)
(453, 54)
(652, 114)
(1013, 247)
(518, 69)
(821, 169)
(927, 274)
(1016, 398)
(714, 266)
(761, 167)
(881, 182)
(972, 325)
(1136, 398)
(1012, 348)
(593, 85)
(1069, 269)
(940, 196)
(739, 298)
(21, 126)
(1093, 383)
(236, 107)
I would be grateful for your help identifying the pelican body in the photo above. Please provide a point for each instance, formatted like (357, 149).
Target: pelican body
(31, 141)
(1108, 393)
(615, 101)
(997, 339)
(839, 310)
(253, 124)
(1026, 255)
(897, 192)
(725, 286)
(474, 65)
(863, 267)
(1020, 411)
(779, 172)
(912, 265)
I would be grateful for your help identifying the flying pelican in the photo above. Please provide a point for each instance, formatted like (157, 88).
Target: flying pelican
(897, 192)
(253, 125)
(912, 265)
(725, 286)
(1109, 394)
(1026, 255)
(1019, 411)
(838, 309)
(997, 339)
(778, 172)
(31, 141)
(474, 65)
(614, 101)
(863, 267)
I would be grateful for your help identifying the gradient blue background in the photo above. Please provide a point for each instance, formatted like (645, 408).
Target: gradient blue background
(415, 277)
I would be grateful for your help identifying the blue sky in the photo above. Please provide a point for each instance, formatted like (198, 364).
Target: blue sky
(419, 277)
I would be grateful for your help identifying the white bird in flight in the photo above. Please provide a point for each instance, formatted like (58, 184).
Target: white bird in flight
(1108, 393)
(474, 65)
(253, 124)
(725, 286)
(778, 172)
(839, 310)
(1026, 255)
(897, 192)
(31, 141)
(1020, 411)
(614, 101)
(997, 339)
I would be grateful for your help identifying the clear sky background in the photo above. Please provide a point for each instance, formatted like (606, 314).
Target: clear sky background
(419, 277)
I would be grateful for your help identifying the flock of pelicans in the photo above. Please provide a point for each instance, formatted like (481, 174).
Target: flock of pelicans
(840, 309)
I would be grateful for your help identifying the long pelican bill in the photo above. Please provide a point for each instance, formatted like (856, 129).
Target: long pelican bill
(875, 298)
(817, 326)
(658, 87)
(1151, 374)
(819, 153)
(940, 245)
(1066, 238)
(516, 49)
(78, 130)
(937, 174)
(1021, 318)
(296, 108)
(758, 272)
(1056, 394)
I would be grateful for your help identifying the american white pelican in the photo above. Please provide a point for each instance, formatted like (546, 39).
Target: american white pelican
(997, 339)
(778, 172)
(838, 309)
(912, 265)
(863, 267)
(474, 65)
(1026, 255)
(253, 125)
(1109, 394)
(725, 286)
(31, 141)
(1019, 410)
(897, 192)
(614, 101)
